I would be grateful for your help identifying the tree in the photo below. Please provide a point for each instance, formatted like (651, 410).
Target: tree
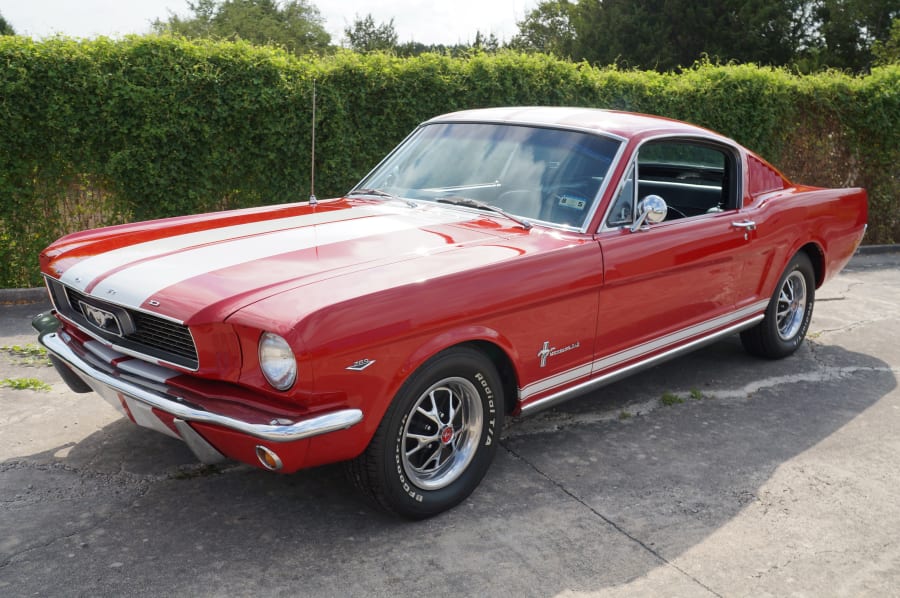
(413, 48)
(849, 29)
(666, 34)
(888, 51)
(294, 24)
(5, 27)
(366, 36)
(485, 43)
(550, 29)
(672, 33)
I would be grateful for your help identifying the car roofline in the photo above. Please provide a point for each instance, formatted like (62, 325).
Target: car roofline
(612, 123)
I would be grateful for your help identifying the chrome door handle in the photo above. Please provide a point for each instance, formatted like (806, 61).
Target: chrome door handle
(747, 225)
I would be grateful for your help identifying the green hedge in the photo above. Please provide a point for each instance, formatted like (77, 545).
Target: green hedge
(100, 132)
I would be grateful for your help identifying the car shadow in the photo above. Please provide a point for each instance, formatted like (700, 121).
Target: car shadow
(579, 498)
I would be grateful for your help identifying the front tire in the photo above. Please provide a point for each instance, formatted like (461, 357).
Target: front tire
(437, 439)
(787, 318)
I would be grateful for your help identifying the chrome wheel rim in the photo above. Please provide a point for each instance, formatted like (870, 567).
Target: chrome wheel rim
(442, 433)
(791, 306)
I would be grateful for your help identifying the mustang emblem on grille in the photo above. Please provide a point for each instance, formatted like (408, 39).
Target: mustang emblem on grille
(101, 318)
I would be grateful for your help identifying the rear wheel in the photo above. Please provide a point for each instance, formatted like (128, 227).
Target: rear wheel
(437, 439)
(788, 315)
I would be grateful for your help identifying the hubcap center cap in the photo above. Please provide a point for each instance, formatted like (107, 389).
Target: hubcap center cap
(447, 435)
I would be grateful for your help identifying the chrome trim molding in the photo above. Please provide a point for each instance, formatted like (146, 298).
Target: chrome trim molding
(556, 380)
(562, 396)
(604, 184)
(723, 144)
(677, 337)
(638, 351)
(306, 428)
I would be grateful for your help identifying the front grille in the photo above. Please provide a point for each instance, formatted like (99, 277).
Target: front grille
(152, 335)
(156, 332)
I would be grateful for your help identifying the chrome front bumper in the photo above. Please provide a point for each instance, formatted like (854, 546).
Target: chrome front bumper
(110, 386)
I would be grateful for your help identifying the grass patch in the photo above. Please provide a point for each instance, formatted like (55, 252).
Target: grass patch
(29, 354)
(25, 384)
(669, 398)
(696, 394)
(624, 414)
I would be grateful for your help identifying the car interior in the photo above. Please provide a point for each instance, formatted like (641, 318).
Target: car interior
(694, 178)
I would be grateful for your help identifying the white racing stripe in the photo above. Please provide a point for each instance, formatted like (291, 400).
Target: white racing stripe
(603, 364)
(555, 380)
(677, 337)
(134, 285)
(86, 271)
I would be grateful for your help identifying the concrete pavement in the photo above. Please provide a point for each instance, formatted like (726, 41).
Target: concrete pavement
(769, 479)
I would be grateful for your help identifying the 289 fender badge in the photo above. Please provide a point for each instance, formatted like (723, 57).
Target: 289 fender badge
(360, 365)
(548, 351)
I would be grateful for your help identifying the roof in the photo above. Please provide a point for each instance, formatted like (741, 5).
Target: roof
(622, 124)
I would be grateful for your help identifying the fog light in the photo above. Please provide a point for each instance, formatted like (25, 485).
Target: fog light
(268, 458)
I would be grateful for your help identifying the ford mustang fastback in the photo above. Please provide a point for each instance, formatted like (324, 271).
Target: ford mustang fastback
(497, 262)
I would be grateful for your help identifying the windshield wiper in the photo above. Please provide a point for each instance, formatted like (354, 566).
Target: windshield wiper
(468, 202)
(385, 194)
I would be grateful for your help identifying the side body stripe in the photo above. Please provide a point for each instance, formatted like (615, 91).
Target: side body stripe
(603, 364)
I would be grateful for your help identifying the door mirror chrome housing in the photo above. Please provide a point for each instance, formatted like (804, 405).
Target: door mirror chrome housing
(651, 210)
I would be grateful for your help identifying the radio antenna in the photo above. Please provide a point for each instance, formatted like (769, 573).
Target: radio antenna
(312, 166)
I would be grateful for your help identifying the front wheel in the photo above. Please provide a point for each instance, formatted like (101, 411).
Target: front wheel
(787, 317)
(437, 439)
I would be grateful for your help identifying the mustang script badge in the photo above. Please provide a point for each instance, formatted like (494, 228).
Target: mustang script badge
(548, 351)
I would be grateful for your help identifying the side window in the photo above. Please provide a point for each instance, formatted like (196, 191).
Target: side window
(622, 211)
(693, 177)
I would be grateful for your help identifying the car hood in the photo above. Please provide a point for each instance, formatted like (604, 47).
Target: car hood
(203, 268)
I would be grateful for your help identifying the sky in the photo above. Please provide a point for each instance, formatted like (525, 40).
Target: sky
(428, 22)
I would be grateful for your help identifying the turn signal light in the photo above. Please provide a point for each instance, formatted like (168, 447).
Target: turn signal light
(268, 458)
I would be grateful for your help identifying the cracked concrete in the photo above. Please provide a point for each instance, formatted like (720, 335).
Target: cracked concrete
(769, 479)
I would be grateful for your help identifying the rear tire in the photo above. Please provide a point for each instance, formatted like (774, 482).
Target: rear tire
(437, 439)
(788, 315)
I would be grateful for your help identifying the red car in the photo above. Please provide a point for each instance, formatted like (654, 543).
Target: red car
(497, 262)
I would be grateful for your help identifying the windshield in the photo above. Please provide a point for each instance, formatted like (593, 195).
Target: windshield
(540, 174)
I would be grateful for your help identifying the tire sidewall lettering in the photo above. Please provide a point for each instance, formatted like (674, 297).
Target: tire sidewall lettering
(489, 400)
(405, 485)
(807, 315)
(488, 397)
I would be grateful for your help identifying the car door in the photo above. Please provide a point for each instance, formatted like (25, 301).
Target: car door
(668, 283)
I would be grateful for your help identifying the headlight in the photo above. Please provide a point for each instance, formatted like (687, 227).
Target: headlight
(277, 362)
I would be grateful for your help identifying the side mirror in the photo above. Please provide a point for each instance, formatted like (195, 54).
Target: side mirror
(651, 210)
